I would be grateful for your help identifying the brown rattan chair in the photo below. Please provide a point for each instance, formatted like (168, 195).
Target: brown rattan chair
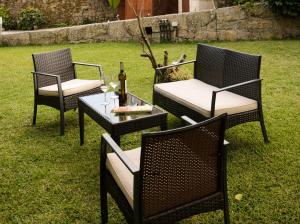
(174, 175)
(225, 81)
(55, 82)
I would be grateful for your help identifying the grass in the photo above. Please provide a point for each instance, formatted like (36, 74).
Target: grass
(45, 178)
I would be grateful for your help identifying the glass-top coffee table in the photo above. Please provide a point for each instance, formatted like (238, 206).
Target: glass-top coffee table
(122, 123)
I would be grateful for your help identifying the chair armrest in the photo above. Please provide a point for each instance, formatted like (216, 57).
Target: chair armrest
(188, 120)
(119, 152)
(238, 85)
(57, 77)
(91, 65)
(45, 74)
(175, 65)
(86, 64)
(192, 122)
(214, 94)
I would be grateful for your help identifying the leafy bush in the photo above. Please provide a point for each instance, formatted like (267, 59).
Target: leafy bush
(175, 74)
(282, 7)
(58, 25)
(179, 74)
(31, 18)
(8, 21)
(87, 21)
(246, 3)
(285, 7)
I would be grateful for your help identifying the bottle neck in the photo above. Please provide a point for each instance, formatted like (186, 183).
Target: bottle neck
(121, 67)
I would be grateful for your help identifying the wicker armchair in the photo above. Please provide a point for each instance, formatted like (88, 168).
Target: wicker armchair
(55, 82)
(224, 81)
(174, 175)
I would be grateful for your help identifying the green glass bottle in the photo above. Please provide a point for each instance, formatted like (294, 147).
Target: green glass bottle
(123, 85)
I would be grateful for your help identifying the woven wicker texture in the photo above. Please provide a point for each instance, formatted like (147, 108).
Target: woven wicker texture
(71, 102)
(55, 62)
(179, 168)
(240, 67)
(209, 65)
(223, 68)
(171, 216)
(244, 117)
(179, 110)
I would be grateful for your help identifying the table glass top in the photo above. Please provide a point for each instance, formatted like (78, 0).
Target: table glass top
(95, 102)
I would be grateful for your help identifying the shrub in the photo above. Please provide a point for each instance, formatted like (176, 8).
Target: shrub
(241, 2)
(285, 7)
(87, 21)
(31, 18)
(8, 21)
(246, 3)
(177, 74)
(57, 25)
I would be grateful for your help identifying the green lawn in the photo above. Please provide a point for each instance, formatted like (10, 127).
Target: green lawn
(45, 178)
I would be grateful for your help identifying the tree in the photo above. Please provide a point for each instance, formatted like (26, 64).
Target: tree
(166, 74)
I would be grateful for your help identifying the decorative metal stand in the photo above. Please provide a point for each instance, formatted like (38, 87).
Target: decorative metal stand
(165, 30)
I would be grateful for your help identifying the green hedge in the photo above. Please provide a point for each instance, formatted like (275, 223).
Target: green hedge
(31, 18)
(282, 7)
(285, 7)
(8, 21)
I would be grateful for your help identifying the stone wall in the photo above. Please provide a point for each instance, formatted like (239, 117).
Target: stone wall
(63, 11)
(232, 23)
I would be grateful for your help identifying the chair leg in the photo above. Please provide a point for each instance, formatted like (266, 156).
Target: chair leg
(62, 122)
(263, 129)
(103, 199)
(226, 206)
(226, 215)
(34, 113)
(262, 124)
(103, 189)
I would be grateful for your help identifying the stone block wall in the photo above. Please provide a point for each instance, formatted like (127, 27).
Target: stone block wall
(63, 11)
(225, 24)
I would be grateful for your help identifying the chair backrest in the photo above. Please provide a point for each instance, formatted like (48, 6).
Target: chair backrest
(222, 67)
(209, 66)
(182, 165)
(56, 62)
(241, 67)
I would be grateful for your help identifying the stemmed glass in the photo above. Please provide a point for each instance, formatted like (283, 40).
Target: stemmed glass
(104, 87)
(114, 84)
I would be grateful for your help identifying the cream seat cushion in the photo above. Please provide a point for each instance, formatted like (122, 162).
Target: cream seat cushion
(70, 87)
(120, 172)
(197, 95)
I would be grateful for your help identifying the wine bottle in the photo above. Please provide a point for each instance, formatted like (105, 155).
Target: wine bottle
(123, 84)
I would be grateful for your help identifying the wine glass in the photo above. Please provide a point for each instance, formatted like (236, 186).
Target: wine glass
(104, 87)
(114, 84)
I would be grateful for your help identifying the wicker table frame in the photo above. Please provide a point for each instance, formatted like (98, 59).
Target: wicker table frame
(236, 72)
(124, 127)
